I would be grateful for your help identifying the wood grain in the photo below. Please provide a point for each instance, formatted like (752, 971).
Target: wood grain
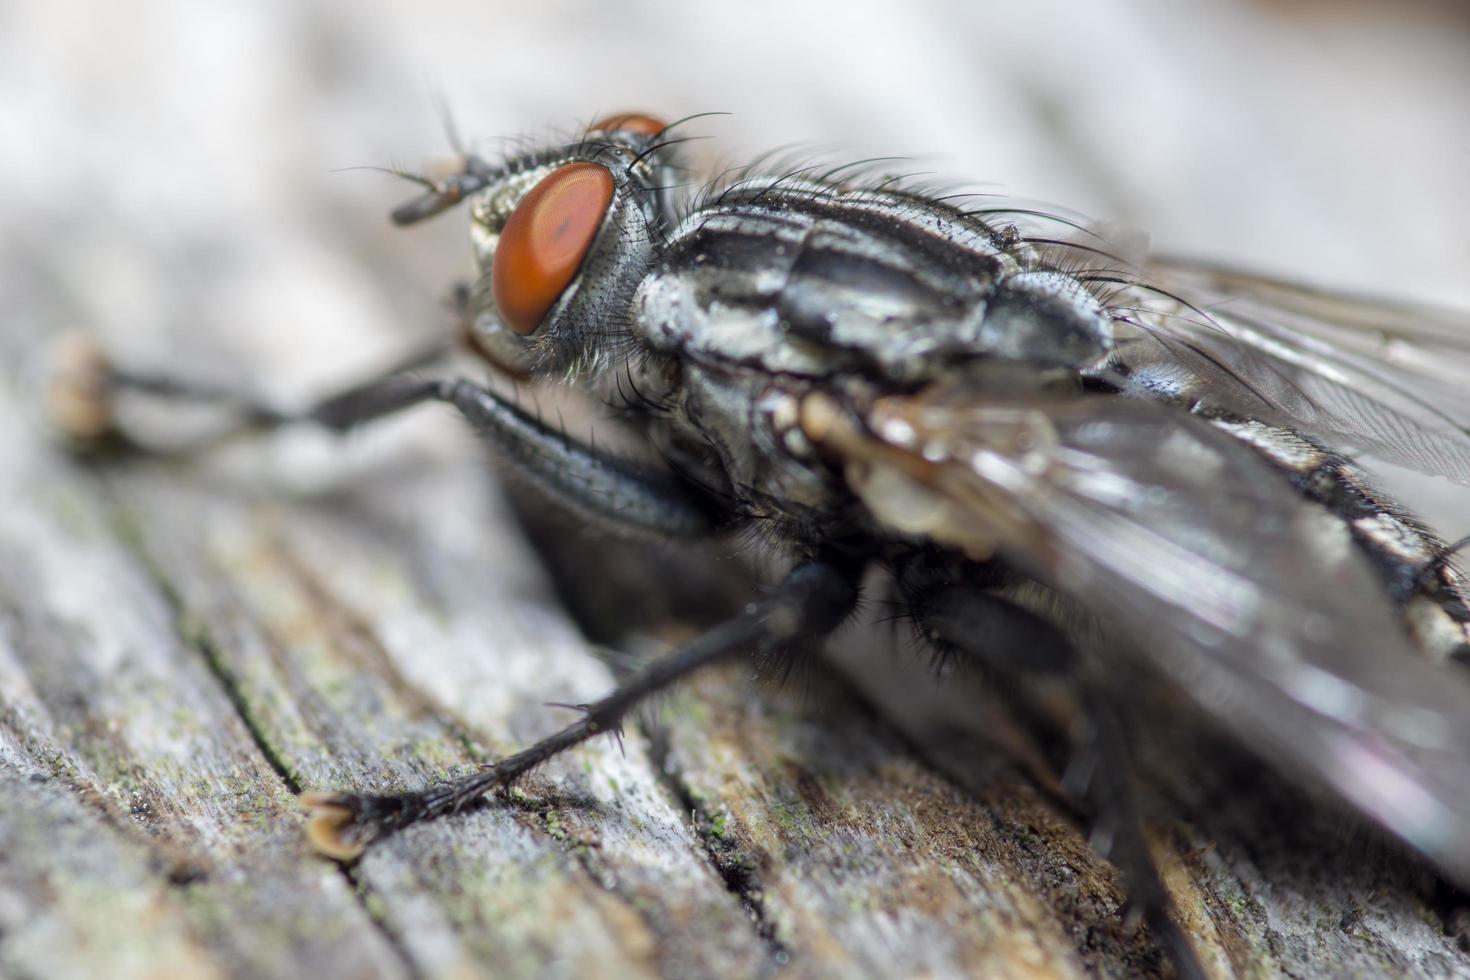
(184, 647)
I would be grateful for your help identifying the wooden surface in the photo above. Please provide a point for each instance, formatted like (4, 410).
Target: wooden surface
(183, 648)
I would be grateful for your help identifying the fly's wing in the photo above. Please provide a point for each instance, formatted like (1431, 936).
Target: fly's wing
(1367, 375)
(1255, 601)
(1423, 341)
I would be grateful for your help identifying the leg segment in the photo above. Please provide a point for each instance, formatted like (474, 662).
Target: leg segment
(85, 388)
(1117, 833)
(602, 488)
(811, 602)
(250, 411)
(987, 629)
(616, 494)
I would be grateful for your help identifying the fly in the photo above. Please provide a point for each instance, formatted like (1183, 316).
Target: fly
(1033, 437)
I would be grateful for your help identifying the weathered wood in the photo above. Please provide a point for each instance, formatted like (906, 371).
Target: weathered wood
(136, 800)
(186, 647)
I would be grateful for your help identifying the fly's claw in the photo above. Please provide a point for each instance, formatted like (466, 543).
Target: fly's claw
(341, 825)
(79, 392)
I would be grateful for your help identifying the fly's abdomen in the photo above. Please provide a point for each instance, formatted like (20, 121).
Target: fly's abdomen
(1410, 559)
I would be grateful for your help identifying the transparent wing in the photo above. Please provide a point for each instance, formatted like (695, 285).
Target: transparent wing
(1390, 380)
(1255, 602)
(1419, 341)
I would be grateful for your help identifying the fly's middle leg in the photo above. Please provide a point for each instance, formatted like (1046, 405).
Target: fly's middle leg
(809, 603)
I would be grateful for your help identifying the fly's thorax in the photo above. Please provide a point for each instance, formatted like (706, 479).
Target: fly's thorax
(765, 299)
(815, 281)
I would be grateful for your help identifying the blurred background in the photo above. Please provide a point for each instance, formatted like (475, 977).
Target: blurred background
(184, 169)
(185, 178)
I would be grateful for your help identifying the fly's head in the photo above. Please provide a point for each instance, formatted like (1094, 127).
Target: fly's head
(562, 236)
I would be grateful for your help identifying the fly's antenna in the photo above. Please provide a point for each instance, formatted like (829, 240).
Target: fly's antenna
(441, 195)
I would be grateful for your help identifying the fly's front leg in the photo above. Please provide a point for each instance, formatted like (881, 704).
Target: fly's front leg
(615, 494)
(609, 491)
(984, 628)
(85, 391)
(811, 602)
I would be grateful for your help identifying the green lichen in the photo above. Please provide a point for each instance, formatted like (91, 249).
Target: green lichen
(555, 826)
(785, 816)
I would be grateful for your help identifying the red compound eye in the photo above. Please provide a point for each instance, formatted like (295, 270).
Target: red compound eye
(545, 240)
(631, 122)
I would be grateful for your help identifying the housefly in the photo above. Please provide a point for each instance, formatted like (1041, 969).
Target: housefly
(1032, 436)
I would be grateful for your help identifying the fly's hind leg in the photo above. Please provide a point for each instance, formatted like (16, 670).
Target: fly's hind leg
(811, 602)
(976, 625)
